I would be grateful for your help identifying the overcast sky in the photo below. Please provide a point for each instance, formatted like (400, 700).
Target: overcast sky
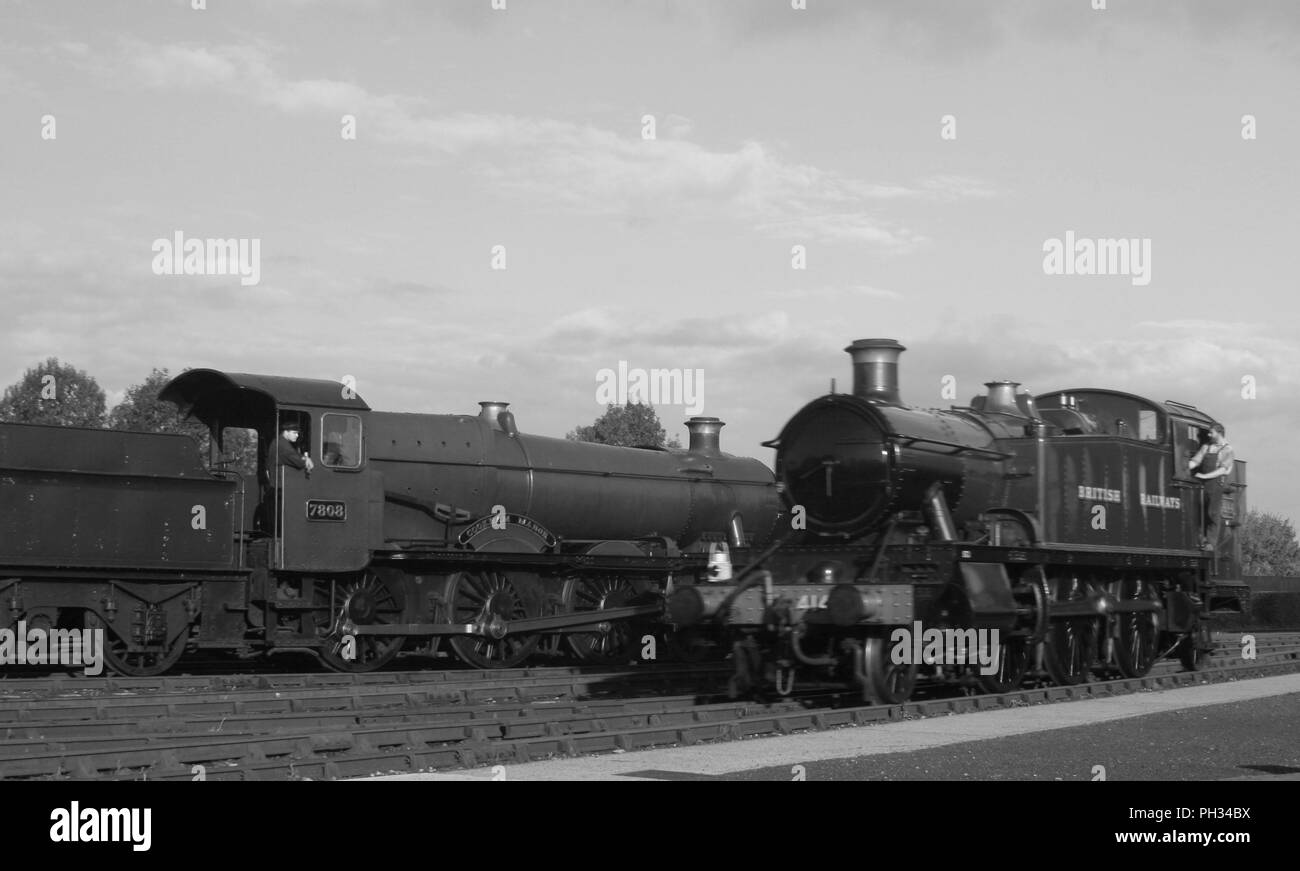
(775, 127)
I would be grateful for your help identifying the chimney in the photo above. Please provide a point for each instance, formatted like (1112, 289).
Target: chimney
(875, 369)
(704, 435)
(1002, 398)
(490, 412)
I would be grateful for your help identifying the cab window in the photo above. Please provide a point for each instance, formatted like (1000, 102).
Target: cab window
(1148, 430)
(340, 441)
(1188, 438)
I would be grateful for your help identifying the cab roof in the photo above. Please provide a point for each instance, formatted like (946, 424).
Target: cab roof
(239, 399)
(1169, 406)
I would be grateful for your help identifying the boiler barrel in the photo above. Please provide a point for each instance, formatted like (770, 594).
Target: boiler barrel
(576, 490)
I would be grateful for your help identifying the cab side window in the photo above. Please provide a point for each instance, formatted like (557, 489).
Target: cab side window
(1187, 439)
(341, 441)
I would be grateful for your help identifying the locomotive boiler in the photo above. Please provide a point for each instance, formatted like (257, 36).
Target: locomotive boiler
(1061, 529)
(411, 529)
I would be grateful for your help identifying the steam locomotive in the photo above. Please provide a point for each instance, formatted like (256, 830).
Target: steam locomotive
(411, 529)
(1062, 530)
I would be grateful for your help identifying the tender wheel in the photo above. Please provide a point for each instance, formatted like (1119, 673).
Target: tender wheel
(374, 598)
(1070, 646)
(491, 598)
(120, 659)
(586, 594)
(1013, 662)
(1138, 637)
(884, 682)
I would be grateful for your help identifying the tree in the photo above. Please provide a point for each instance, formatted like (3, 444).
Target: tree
(141, 410)
(54, 393)
(630, 425)
(1268, 545)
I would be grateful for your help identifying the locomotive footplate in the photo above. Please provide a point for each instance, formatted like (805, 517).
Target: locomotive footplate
(410, 560)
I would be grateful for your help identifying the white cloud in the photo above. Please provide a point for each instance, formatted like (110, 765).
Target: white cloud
(581, 167)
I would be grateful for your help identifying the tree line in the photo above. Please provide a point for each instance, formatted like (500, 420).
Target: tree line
(60, 394)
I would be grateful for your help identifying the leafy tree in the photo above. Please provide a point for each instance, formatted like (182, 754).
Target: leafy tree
(1268, 545)
(630, 425)
(141, 410)
(54, 393)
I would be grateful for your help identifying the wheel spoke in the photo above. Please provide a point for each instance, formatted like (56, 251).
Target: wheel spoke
(486, 598)
(379, 598)
(596, 594)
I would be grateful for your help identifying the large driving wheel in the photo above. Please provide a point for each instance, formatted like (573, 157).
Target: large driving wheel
(1070, 647)
(1138, 632)
(586, 594)
(138, 660)
(1013, 662)
(374, 598)
(491, 599)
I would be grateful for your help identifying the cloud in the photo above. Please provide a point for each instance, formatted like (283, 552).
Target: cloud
(838, 293)
(173, 66)
(677, 127)
(580, 167)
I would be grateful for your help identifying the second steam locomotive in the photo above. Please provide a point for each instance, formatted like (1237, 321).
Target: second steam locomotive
(1065, 529)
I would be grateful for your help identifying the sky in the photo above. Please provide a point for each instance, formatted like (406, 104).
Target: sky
(923, 154)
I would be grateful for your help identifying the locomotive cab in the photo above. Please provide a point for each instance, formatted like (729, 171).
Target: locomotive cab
(322, 519)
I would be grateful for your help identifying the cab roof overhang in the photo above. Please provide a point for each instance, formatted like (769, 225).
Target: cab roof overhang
(238, 399)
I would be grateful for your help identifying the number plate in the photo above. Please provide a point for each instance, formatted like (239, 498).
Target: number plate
(327, 510)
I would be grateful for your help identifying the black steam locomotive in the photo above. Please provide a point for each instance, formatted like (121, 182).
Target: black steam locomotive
(411, 529)
(1062, 532)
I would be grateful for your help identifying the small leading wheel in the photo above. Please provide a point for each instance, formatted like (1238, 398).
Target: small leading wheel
(373, 598)
(153, 660)
(884, 682)
(1013, 662)
(1071, 644)
(1194, 648)
(491, 599)
(1137, 644)
(586, 594)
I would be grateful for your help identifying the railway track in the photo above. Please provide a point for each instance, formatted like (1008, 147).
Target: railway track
(331, 726)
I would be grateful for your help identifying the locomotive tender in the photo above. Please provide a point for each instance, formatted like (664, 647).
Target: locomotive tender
(411, 528)
(1068, 522)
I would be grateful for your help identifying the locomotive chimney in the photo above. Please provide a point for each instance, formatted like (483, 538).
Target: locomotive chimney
(1002, 398)
(491, 412)
(875, 369)
(704, 435)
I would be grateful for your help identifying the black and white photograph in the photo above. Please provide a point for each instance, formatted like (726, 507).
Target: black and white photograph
(534, 391)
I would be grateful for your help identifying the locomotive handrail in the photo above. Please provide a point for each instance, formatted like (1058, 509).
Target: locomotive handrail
(958, 448)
